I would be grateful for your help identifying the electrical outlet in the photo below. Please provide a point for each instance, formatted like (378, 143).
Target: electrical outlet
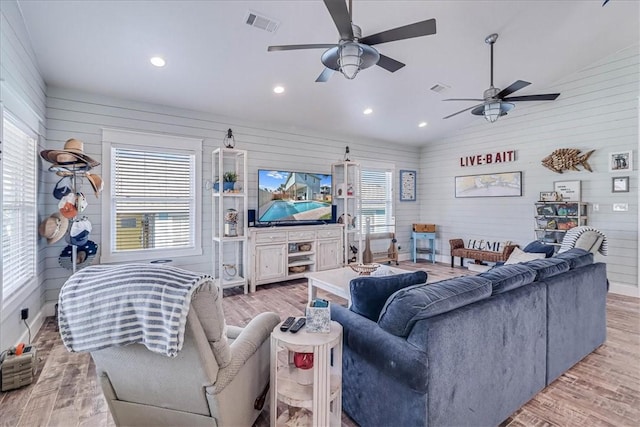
(24, 314)
(596, 207)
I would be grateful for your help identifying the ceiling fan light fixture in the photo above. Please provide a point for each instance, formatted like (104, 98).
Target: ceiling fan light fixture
(494, 110)
(349, 59)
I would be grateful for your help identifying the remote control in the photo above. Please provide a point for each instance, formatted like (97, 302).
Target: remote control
(287, 324)
(298, 325)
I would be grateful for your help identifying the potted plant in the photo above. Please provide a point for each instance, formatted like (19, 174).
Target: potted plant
(229, 179)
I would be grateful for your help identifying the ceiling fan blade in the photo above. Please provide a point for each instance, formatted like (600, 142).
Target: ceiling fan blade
(418, 29)
(389, 64)
(340, 15)
(478, 110)
(463, 99)
(300, 46)
(324, 75)
(544, 97)
(517, 85)
(462, 111)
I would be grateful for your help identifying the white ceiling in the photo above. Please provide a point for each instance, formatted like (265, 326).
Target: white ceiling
(218, 64)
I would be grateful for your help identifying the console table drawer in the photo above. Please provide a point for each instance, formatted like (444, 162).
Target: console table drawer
(302, 235)
(271, 237)
(325, 234)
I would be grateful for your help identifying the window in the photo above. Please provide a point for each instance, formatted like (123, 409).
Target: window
(19, 210)
(153, 197)
(376, 192)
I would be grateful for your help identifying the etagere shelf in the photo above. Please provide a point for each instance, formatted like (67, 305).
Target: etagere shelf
(346, 197)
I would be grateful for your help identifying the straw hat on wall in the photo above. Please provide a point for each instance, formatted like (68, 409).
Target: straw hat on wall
(72, 155)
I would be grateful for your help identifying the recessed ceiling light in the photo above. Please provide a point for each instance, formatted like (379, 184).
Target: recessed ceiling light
(367, 111)
(158, 61)
(422, 124)
(278, 89)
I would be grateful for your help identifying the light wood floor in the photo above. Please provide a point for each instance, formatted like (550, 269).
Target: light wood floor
(601, 390)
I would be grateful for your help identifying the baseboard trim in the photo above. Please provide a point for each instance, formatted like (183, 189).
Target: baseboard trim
(48, 309)
(624, 289)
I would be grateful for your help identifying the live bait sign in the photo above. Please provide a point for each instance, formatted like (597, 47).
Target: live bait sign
(488, 158)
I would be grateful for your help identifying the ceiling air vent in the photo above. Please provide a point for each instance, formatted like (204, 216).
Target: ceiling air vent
(439, 88)
(260, 21)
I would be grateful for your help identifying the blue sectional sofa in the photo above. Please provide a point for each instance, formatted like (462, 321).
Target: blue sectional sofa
(467, 351)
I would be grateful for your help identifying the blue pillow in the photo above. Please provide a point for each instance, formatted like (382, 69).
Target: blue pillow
(369, 293)
(536, 247)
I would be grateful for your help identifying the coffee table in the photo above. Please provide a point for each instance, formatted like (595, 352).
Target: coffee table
(336, 281)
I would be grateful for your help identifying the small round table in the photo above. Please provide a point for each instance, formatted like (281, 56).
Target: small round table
(323, 396)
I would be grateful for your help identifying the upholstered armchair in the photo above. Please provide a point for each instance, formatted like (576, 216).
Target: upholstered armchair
(218, 378)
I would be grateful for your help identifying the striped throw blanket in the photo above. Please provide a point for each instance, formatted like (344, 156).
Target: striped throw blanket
(103, 306)
(571, 237)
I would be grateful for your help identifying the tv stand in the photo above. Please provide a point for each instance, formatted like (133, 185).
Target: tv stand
(277, 254)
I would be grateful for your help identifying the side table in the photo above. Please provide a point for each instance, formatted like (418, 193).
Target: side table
(431, 252)
(321, 392)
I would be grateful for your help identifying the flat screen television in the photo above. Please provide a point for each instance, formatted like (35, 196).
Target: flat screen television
(291, 197)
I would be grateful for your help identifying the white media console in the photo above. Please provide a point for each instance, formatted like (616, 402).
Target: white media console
(277, 254)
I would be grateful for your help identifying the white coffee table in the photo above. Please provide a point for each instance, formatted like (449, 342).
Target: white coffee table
(336, 281)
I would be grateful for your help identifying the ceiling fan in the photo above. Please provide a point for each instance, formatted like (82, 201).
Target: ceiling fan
(354, 52)
(495, 103)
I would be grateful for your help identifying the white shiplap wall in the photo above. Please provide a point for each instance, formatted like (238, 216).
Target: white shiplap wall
(82, 115)
(597, 109)
(22, 93)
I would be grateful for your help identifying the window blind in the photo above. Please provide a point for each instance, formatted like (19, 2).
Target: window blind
(154, 199)
(377, 201)
(19, 211)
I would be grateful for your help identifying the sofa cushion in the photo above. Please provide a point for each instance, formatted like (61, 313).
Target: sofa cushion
(548, 267)
(539, 247)
(369, 293)
(509, 277)
(405, 307)
(518, 256)
(576, 257)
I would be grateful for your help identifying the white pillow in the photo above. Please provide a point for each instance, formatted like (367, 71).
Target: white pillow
(518, 256)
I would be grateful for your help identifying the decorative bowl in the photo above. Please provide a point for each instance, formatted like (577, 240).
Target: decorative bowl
(364, 269)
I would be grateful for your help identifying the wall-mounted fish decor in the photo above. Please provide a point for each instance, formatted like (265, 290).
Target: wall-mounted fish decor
(567, 159)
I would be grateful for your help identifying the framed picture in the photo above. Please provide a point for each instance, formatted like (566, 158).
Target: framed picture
(620, 184)
(568, 191)
(621, 161)
(506, 184)
(407, 186)
(548, 196)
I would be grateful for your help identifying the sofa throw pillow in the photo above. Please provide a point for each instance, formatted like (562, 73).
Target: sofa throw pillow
(539, 247)
(407, 306)
(576, 257)
(369, 294)
(207, 304)
(509, 277)
(518, 256)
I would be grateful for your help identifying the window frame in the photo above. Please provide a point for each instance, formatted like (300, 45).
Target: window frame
(389, 202)
(143, 141)
(9, 294)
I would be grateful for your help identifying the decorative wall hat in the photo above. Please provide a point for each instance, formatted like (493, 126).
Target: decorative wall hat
(67, 206)
(81, 202)
(96, 183)
(84, 255)
(54, 227)
(62, 188)
(71, 155)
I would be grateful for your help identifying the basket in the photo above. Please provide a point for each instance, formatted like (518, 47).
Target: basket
(297, 269)
(304, 247)
(364, 269)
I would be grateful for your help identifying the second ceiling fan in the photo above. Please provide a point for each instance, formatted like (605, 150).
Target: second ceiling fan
(354, 52)
(495, 103)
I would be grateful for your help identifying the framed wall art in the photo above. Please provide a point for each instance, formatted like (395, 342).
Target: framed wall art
(621, 161)
(506, 184)
(568, 191)
(407, 186)
(620, 184)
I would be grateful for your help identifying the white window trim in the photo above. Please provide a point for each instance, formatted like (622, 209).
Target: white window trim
(388, 167)
(137, 140)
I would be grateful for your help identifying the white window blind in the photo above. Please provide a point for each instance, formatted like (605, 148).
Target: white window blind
(19, 211)
(154, 199)
(376, 192)
(152, 196)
